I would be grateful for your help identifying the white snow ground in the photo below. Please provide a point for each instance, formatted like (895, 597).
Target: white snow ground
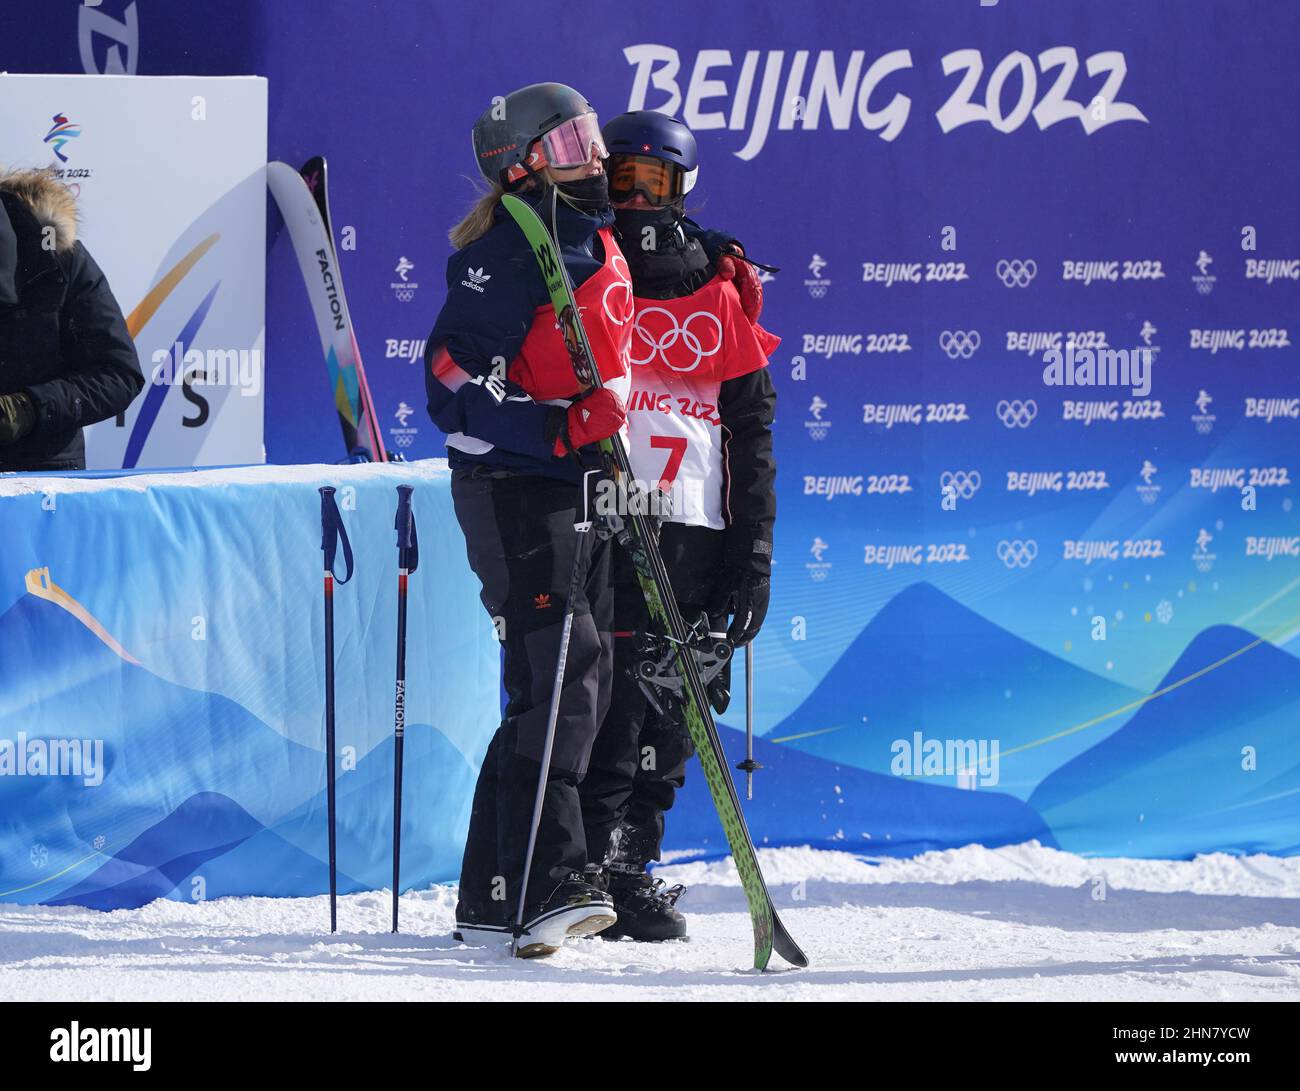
(1018, 923)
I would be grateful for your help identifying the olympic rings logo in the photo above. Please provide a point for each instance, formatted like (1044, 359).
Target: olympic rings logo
(1016, 553)
(1016, 273)
(622, 283)
(959, 343)
(1017, 414)
(964, 484)
(658, 345)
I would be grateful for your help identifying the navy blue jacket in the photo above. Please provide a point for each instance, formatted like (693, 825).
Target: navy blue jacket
(494, 288)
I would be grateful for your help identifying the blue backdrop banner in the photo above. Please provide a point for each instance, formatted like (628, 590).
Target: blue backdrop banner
(1037, 555)
(162, 685)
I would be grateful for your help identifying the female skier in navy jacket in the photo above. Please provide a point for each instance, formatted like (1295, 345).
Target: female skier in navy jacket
(520, 433)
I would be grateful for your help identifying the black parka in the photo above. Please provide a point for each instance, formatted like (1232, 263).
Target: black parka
(683, 264)
(64, 342)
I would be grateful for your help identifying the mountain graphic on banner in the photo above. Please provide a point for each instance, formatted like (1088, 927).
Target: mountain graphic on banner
(193, 786)
(1211, 759)
(926, 663)
(178, 743)
(800, 799)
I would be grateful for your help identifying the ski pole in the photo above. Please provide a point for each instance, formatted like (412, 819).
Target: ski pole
(749, 764)
(332, 531)
(582, 530)
(408, 559)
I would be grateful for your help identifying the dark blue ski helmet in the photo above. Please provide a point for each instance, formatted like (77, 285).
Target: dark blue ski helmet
(648, 132)
(650, 135)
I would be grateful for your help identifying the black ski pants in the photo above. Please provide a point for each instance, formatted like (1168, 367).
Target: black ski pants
(520, 539)
(638, 763)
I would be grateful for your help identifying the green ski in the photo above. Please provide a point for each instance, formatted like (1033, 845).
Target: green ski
(640, 539)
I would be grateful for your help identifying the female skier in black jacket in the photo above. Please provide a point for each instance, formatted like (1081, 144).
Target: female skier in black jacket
(700, 417)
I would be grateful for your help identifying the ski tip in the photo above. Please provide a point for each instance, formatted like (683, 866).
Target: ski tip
(784, 945)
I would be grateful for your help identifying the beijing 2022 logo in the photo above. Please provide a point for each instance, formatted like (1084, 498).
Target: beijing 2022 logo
(60, 134)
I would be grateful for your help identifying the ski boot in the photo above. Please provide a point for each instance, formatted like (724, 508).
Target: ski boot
(646, 908)
(479, 925)
(576, 907)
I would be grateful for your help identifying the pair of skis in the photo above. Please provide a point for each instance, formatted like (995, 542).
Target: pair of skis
(303, 199)
(639, 538)
(334, 534)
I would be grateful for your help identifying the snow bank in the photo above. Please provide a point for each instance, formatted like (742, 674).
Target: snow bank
(1019, 923)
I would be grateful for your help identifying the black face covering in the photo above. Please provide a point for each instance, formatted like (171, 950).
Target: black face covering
(632, 224)
(674, 266)
(588, 194)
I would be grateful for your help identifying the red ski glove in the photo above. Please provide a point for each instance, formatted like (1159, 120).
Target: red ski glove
(745, 277)
(590, 419)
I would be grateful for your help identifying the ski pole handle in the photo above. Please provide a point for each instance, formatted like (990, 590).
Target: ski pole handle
(404, 520)
(332, 533)
(408, 541)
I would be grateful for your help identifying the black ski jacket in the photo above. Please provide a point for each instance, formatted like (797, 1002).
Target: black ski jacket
(63, 340)
(682, 265)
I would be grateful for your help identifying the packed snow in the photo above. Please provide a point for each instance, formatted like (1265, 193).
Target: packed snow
(1018, 923)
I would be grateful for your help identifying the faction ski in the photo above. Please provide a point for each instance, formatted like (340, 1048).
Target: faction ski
(642, 543)
(304, 203)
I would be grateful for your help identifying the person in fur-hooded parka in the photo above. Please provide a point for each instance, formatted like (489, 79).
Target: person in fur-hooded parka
(66, 357)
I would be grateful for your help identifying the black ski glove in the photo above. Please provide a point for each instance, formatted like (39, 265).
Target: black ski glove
(752, 596)
(17, 418)
(744, 594)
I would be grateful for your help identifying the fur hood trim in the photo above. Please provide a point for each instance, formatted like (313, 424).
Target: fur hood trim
(51, 202)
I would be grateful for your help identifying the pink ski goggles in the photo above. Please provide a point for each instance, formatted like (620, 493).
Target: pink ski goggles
(566, 146)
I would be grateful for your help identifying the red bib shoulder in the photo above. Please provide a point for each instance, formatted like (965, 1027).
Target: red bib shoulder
(704, 335)
(605, 302)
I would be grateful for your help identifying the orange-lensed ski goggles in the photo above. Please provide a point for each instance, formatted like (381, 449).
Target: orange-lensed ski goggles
(657, 180)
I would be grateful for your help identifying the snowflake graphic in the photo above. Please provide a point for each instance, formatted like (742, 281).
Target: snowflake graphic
(40, 855)
(1165, 612)
(98, 842)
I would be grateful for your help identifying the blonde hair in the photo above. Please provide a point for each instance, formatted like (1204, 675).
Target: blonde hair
(478, 219)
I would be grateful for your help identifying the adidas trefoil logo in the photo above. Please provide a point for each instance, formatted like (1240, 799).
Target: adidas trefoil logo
(477, 278)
